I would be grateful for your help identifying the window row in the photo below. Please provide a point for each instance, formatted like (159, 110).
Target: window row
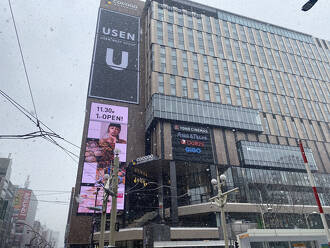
(207, 68)
(225, 94)
(294, 127)
(234, 50)
(184, 17)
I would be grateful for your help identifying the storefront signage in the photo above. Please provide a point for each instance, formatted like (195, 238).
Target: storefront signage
(191, 143)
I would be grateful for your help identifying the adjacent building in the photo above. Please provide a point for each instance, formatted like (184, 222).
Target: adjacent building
(219, 93)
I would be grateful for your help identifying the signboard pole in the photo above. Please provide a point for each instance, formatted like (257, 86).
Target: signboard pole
(113, 214)
(312, 182)
(104, 213)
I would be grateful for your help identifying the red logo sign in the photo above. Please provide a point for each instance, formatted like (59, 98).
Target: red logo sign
(192, 143)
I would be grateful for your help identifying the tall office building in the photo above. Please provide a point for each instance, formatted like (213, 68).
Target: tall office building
(225, 93)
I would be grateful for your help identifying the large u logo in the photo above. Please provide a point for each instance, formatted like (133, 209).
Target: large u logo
(124, 60)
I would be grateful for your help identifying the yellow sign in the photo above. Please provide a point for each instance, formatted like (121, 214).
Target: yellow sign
(244, 236)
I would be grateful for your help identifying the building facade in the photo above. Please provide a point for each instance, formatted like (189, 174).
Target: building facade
(222, 92)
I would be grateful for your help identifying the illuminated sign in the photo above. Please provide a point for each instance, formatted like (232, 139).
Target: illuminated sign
(191, 143)
(107, 133)
(115, 68)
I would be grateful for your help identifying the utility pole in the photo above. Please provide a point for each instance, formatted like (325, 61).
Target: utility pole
(316, 195)
(104, 209)
(221, 199)
(113, 213)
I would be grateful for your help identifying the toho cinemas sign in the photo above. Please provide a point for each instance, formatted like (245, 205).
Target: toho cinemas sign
(115, 67)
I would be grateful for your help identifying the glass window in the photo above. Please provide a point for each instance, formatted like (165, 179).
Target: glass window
(303, 129)
(208, 24)
(254, 78)
(217, 27)
(294, 64)
(225, 29)
(294, 128)
(191, 40)
(263, 79)
(275, 124)
(160, 13)
(217, 92)
(161, 83)
(180, 37)
(242, 33)
(288, 84)
(285, 126)
(273, 39)
(263, 57)
(185, 63)
(266, 39)
(226, 72)
(184, 88)
(281, 43)
(195, 65)
(319, 112)
(271, 81)
(200, 42)
(210, 44)
(285, 105)
(173, 85)
(288, 45)
(248, 98)
(267, 102)
(199, 24)
(310, 110)
(206, 91)
(234, 31)
(170, 36)
(251, 37)
(159, 32)
(195, 88)
(236, 75)
(296, 84)
(245, 76)
(162, 59)
(302, 108)
(190, 21)
(311, 127)
(237, 51)
(302, 66)
(216, 70)
(206, 68)
(259, 40)
(279, 60)
(180, 18)
(229, 52)
(246, 53)
(238, 97)
(266, 125)
(228, 97)
(257, 98)
(276, 104)
(220, 48)
(255, 55)
(293, 106)
(174, 62)
(271, 58)
(170, 16)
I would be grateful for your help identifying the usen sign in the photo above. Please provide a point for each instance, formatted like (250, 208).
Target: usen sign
(115, 69)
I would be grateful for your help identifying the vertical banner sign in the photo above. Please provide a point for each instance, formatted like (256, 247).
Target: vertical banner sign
(26, 195)
(191, 143)
(115, 68)
(107, 133)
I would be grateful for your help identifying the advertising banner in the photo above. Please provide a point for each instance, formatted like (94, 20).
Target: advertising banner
(107, 133)
(191, 143)
(115, 68)
(25, 202)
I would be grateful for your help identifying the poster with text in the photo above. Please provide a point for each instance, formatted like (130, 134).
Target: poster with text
(106, 136)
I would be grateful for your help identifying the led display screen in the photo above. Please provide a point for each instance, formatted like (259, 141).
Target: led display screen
(107, 134)
(115, 67)
(191, 143)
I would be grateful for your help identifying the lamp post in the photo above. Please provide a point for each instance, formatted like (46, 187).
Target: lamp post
(221, 199)
(36, 233)
(93, 221)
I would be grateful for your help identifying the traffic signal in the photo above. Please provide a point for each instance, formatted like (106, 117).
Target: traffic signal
(236, 245)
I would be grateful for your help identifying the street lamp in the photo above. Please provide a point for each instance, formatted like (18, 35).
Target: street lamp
(36, 233)
(221, 199)
(307, 6)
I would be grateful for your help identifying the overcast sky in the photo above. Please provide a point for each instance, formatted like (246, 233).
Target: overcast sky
(57, 40)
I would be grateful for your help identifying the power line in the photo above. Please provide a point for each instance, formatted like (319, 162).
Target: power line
(23, 61)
